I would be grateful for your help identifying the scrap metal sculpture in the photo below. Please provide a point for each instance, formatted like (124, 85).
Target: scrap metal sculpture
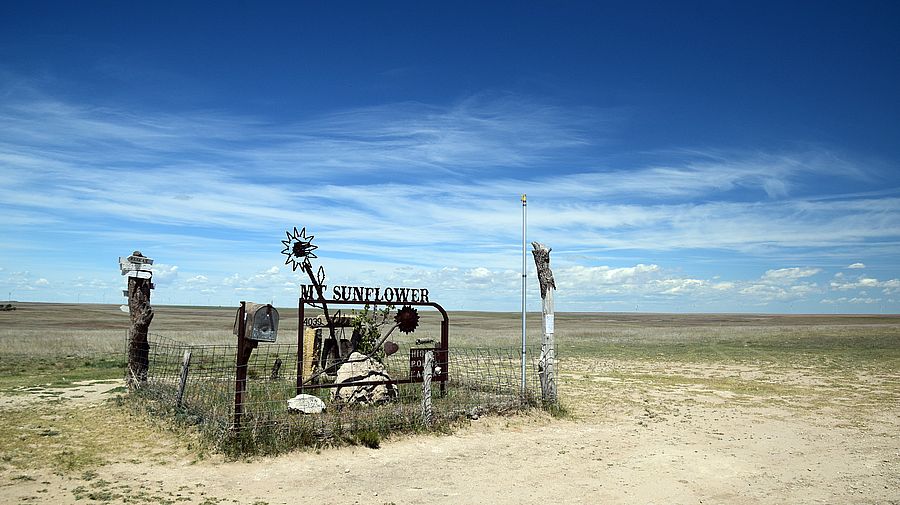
(407, 319)
(299, 249)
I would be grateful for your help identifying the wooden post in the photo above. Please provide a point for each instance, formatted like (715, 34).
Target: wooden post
(318, 281)
(185, 364)
(139, 285)
(244, 349)
(547, 361)
(427, 372)
(301, 344)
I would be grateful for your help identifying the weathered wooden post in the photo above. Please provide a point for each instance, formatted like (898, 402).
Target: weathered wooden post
(182, 382)
(427, 372)
(240, 367)
(547, 361)
(254, 323)
(137, 268)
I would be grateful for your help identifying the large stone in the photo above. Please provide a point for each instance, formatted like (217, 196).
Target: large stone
(359, 368)
(306, 404)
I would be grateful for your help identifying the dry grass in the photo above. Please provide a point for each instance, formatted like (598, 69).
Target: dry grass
(846, 368)
(87, 329)
(72, 440)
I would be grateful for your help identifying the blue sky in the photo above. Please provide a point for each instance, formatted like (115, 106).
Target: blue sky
(684, 157)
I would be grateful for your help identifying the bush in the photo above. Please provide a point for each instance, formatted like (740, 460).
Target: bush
(369, 438)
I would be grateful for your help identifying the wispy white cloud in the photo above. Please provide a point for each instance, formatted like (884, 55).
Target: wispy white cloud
(210, 192)
(889, 286)
(783, 275)
(396, 139)
(473, 134)
(854, 300)
(163, 273)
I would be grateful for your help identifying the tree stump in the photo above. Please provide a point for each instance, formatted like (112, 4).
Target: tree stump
(141, 316)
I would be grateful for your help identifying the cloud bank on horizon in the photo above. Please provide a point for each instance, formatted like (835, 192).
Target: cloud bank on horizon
(425, 193)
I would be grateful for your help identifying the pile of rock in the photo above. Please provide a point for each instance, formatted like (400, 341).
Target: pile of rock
(359, 368)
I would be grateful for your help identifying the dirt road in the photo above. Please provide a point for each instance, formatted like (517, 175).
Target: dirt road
(630, 440)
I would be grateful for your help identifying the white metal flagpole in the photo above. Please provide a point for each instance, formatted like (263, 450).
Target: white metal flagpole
(524, 283)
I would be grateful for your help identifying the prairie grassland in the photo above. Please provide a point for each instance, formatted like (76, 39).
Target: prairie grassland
(779, 394)
(74, 342)
(85, 341)
(89, 329)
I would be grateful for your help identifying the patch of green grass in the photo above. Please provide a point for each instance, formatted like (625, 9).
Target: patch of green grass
(47, 371)
(369, 438)
(559, 411)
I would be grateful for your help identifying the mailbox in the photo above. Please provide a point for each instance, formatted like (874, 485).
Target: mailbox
(260, 322)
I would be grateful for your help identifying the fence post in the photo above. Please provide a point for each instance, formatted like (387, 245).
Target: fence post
(242, 360)
(185, 364)
(427, 372)
(547, 362)
(137, 269)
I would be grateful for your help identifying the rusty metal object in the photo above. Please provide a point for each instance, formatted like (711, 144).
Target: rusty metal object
(260, 322)
(298, 248)
(417, 362)
(441, 351)
(407, 319)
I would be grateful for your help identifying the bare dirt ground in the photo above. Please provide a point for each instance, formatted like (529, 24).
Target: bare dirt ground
(665, 409)
(641, 432)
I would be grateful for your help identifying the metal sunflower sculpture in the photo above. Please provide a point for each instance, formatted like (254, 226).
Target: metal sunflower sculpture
(407, 319)
(299, 249)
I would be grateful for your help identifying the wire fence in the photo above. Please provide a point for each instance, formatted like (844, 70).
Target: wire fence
(479, 381)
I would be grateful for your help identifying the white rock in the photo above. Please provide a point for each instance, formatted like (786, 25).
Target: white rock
(306, 404)
(358, 368)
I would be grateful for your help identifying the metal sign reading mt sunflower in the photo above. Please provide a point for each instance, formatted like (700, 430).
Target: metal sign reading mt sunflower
(407, 319)
(299, 249)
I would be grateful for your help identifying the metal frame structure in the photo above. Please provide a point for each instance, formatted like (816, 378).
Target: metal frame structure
(441, 352)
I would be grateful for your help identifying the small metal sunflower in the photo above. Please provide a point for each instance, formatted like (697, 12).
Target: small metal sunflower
(298, 248)
(407, 319)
